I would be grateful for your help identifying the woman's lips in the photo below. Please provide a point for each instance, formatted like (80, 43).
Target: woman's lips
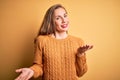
(64, 25)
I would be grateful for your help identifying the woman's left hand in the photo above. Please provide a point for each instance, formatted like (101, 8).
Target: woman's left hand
(83, 49)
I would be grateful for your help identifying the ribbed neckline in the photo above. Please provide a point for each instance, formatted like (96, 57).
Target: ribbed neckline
(59, 39)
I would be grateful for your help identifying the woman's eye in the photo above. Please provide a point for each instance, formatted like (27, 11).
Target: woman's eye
(57, 18)
(65, 15)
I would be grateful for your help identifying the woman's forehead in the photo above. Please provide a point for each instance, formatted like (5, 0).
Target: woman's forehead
(59, 11)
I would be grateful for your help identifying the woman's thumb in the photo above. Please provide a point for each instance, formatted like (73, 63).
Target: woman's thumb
(18, 70)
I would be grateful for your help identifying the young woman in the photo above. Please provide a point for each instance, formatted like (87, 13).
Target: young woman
(58, 55)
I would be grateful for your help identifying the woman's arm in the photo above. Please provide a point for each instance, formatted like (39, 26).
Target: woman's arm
(36, 69)
(37, 63)
(81, 65)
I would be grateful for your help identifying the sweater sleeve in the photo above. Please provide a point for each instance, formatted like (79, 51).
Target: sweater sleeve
(81, 65)
(37, 63)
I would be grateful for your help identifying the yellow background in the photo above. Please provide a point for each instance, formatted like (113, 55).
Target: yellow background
(97, 22)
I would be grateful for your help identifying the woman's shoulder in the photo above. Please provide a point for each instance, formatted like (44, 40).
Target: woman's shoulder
(76, 38)
(40, 38)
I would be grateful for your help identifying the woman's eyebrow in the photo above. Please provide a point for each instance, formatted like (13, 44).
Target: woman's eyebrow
(60, 15)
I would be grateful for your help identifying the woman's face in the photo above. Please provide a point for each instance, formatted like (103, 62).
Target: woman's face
(61, 20)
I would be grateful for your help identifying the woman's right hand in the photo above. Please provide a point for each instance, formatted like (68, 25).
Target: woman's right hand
(26, 74)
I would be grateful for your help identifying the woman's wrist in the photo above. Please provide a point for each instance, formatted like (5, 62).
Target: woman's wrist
(80, 54)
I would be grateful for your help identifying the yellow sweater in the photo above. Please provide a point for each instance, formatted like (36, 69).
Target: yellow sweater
(58, 59)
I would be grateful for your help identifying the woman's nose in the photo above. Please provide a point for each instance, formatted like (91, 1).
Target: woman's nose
(63, 20)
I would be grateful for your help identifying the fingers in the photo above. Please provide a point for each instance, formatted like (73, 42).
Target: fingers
(87, 47)
(26, 74)
(18, 70)
(90, 47)
(84, 48)
(29, 76)
(22, 76)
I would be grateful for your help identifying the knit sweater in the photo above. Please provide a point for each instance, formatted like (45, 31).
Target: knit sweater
(58, 59)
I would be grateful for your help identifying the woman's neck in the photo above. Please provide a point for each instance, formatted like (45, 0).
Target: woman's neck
(61, 35)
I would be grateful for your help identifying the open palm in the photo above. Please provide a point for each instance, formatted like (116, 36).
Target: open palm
(83, 49)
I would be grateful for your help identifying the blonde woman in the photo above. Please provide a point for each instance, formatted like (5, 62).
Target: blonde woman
(58, 55)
